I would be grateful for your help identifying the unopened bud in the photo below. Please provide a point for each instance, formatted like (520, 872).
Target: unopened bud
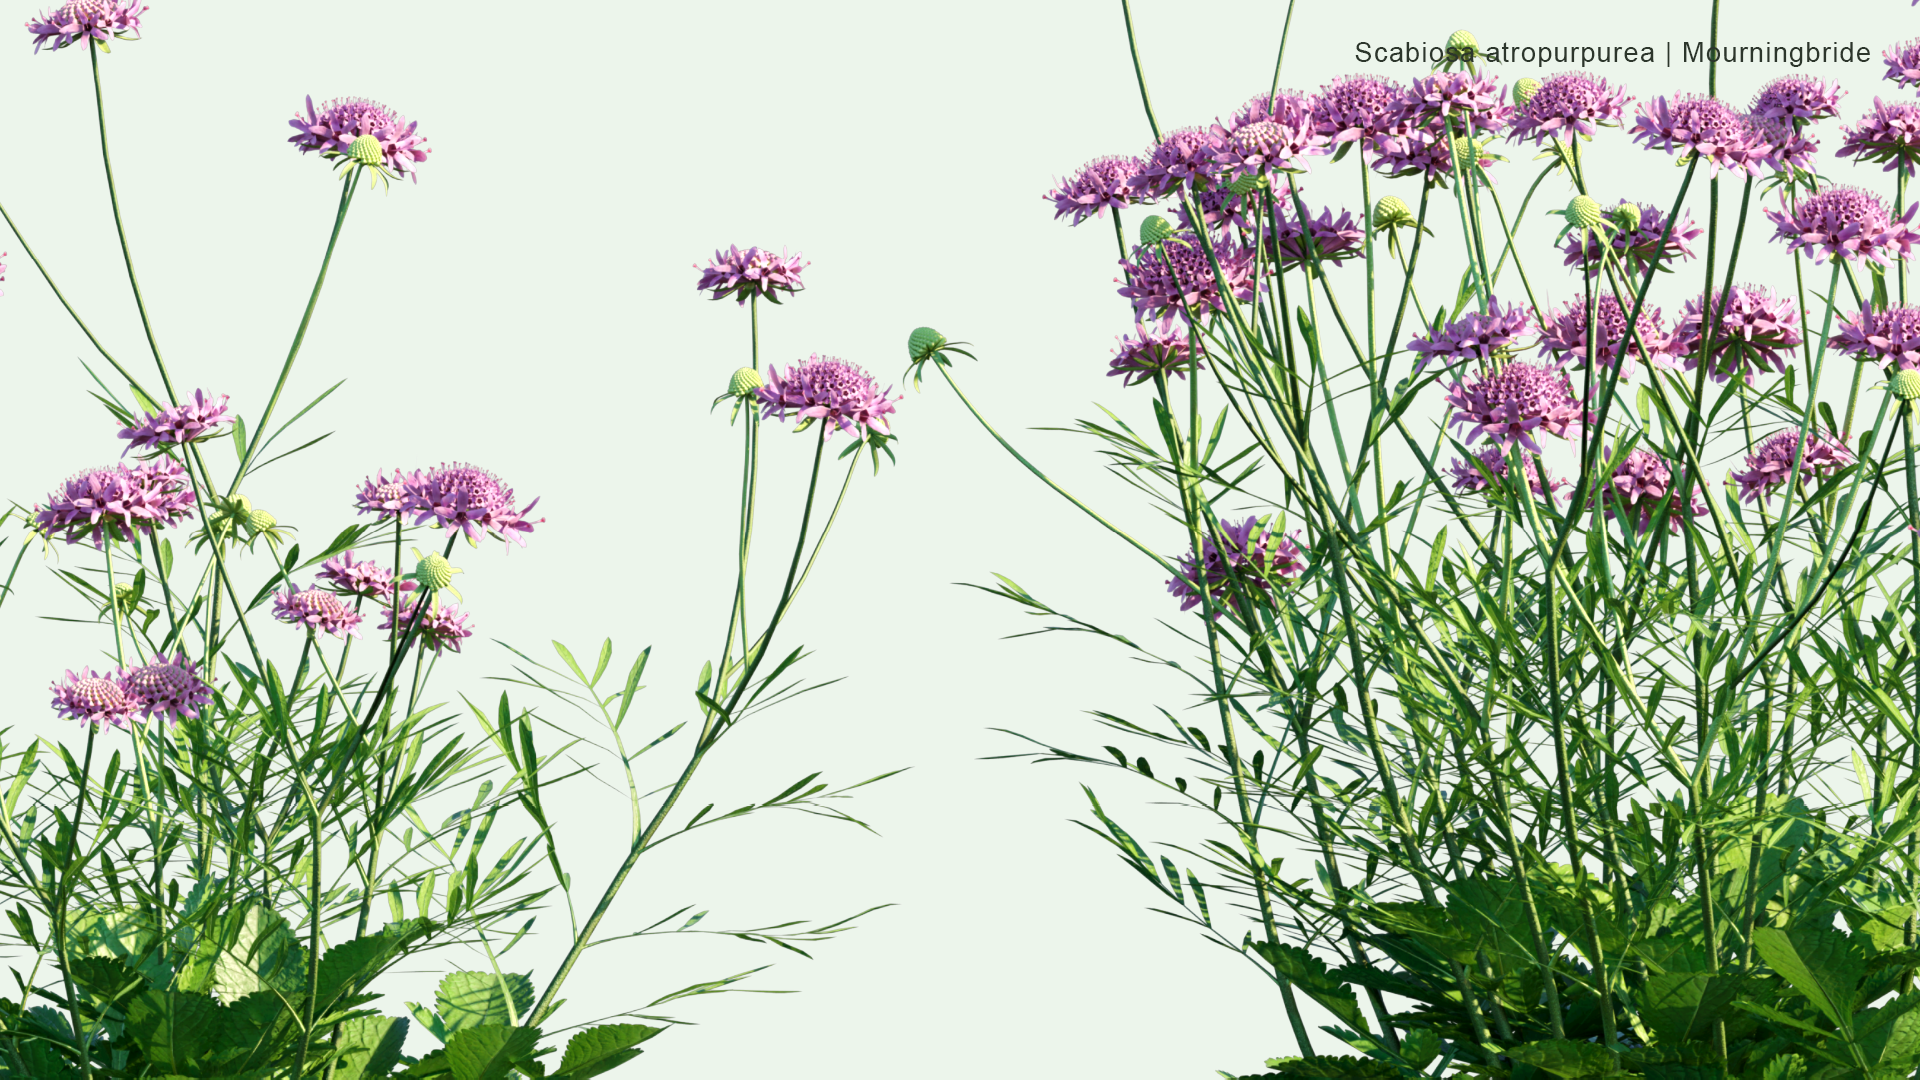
(1906, 384)
(1462, 46)
(1523, 92)
(744, 382)
(925, 340)
(1584, 212)
(434, 571)
(366, 150)
(1391, 213)
(1154, 229)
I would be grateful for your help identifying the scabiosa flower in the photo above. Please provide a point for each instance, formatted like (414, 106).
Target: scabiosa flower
(1181, 161)
(333, 129)
(1358, 108)
(1889, 136)
(366, 578)
(1152, 349)
(1474, 96)
(83, 20)
(825, 388)
(442, 625)
(1565, 337)
(1174, 275)
(1220, 208)
(1636, 248)
(1428, 152)
(115, 503)
(1778, 145)
(1255, 556)
(1268, 136)
(1571, 102)
(472, 500)
(1512, 403)
(94, 699)
(1640, 488)
(1903, 63)
(1798, 97)
(756, 271)
(1705, 126)
(1101, 183)
(168, 686)
(1771, 464)
(1469, 479)
(317, 609)
(189, 421)
(385, 498)
(1845, 223)
(1755, 330)
(1882, 337)
(1336, 238)
(1475, 336)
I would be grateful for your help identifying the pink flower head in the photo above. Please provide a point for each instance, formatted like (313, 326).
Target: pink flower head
(1153, 349)
(1474, 100)
(472, 500)
(1882, 337)
(86, 20)
(1845, 223)
(1468, 478)
(368, 578)
(1771, 464)
(1799, 97)
(1267, 137)
(1336, 239)
(1101, 183)
(1903, 63)
(1220, 208)
(756, 271)
(318, 610)
(1565, 337)
(1567, 103)
(1176, 276)
(1512, 403)
(1358, 108)
(115, 503)
(385, 498)
(1756, 329)
(1637, 249)
(333, 128)
(189, 421)
(94, 699)
(1778, 145)
(1704, 126)
(169, 687)
(1640, 488)
(1255, 556)
(1425, 152)
(442, 625)
(1474, 337)
(1180, 163)
(825, 388)
(1889, 136)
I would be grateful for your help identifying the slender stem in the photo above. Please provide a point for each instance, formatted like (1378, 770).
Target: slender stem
(113, 196)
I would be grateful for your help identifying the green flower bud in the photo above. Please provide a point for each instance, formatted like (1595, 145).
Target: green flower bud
(124, 600)
(1523, 92)
(1584, 212)
(1462, 46)
(744, 382)
(923, 343)
(1247, 185)
(1626, 215)
(1154, 229)
(1906, 384)
(365, 150)
(434, 571)
(260, 521)
(1391, 213)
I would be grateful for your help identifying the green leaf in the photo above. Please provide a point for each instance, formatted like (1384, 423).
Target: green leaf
(1820, 962)
(1328, 1067)
(254, 950)
(596, 1050)
(1682, 1006)
(1566, 1057)
(369, 1046)
(489, 1052)
(469, 999)
(175, 1029)
(1309, 974)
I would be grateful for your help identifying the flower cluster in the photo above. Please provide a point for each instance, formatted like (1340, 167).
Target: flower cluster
(1798, 97)
(1888, 136)
(1844, 223)
(1566, 104)
(385, 499)
(168, 687)
(1565, 337)
(102, 504)
(1769, 466)
(1101, 183)
(441, 625)
(752, 273)
(1706, 127)
(335, 128)
(1255, 556)
(1267, 137)
(1636, 248)
(470, 499)
(1160, 349)
(1334, 239)
(189, 421)
(1513, 402)
(1880, 337)
(1640, 488)
(1753, 328)
(1359, 108)
(1903, 63)
(1470, 97)
(317, 609)
(86, 20)
(367, 578)
(1476, 336)
(841, 395)
(1179, 163)
(1176, 276)
(1469, 479)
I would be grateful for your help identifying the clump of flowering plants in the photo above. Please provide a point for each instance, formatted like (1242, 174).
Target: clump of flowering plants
(215, 871)
(1557, 680)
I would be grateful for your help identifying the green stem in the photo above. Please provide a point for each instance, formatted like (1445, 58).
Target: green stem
(113, 196)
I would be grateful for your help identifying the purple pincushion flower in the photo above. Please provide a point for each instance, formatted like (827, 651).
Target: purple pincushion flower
(1636, 248)
(1101, 183)
(1359, 108)
(1903, 63)
(1881, 337)
(317, 609)
(1474, 337)
(169, 687)
(94, 699)
(333, 129)
(1336, 239)
(1771, 463)
(1468, 479)
(1255, 556)
(366, 578)
(1640, 488)
(1513, 402)
(1153, 349)
(1476, 101)
(1175, 276)
(1427, 152)
(1888, 136)
(1180, 162)
(189, 421)
(843, 396)
(442, 625)
(115, 503)
(1778, 145)
(752, 273)
(1571, 102)
(1799, 97)
(470, 499)
(1703, 126)
(1267, 137)
(1565, 337)
(84, 20)
(1844, 223)
(1220, 208)
(1755, 331)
